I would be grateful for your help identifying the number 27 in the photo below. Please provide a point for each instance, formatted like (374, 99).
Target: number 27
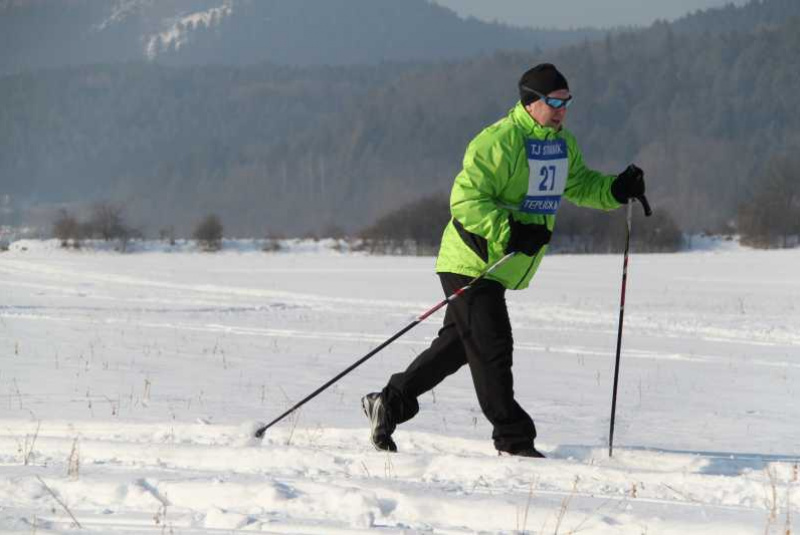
(548, 173)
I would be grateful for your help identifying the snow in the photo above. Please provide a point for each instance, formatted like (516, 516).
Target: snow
(705, 242)
(119, 11)
(130, 386)
(173, 32)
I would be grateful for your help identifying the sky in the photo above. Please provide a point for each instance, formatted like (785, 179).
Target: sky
(577, 13)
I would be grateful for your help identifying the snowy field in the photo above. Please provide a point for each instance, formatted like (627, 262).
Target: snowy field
(129, 385)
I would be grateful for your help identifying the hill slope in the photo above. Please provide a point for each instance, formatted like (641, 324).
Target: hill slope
(52, 33)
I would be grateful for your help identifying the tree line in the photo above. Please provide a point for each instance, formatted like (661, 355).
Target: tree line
(771, 219)
(107, 221)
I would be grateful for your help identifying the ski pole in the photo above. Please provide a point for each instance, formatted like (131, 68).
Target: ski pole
(452, 297)
(647, 212)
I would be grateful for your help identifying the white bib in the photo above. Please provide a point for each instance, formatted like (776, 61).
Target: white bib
(549, 168)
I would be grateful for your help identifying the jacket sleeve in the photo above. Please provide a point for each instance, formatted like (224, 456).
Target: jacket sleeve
(587, 187)
(473, 200)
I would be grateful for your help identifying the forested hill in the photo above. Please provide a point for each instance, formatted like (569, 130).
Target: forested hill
(52, 33)
(297, 149)
(729, 18)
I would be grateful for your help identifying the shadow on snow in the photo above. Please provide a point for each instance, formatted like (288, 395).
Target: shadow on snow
(718, 463)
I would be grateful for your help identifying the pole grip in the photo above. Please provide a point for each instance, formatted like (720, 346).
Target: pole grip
(646, 205)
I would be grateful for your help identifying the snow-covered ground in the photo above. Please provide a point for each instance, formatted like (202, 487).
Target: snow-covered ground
(130, 383)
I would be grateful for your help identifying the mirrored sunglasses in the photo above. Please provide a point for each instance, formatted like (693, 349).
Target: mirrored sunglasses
(553, 102)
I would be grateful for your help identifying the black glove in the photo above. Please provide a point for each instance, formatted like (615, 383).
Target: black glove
(527, 238)
(629, 184)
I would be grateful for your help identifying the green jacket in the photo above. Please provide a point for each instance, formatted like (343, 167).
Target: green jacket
(491, 187)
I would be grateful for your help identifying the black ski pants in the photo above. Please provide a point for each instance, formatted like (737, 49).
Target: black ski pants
(477, 332)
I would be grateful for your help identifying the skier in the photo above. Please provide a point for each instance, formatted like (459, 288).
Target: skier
(504, 200)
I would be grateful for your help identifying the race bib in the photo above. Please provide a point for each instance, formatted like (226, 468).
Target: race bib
(549, 168)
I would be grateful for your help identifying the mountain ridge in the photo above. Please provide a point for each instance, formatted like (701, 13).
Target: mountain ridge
(52, 33)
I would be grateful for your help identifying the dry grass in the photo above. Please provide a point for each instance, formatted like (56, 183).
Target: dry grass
(61, 503)
(74, 462)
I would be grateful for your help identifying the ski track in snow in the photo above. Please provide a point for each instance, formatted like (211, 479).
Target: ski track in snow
(131, 384)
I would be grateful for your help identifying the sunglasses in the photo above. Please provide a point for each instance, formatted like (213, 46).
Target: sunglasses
(553, 102)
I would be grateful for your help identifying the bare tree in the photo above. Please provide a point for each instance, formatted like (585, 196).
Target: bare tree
(108, 221)
(412, 229)
(167, 234)
(208, 233)
(66, 227)
(772, 216)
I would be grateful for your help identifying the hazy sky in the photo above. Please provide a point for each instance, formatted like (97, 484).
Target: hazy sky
(574, 13)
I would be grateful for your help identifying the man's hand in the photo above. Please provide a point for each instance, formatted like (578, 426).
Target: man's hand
(527, 238)
(628, 185)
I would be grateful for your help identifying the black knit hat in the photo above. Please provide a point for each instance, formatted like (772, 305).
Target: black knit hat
(544, 79)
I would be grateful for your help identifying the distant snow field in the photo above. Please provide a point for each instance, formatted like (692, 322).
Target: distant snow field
(130, 385)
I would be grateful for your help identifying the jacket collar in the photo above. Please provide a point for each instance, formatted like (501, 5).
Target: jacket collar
(529, 126)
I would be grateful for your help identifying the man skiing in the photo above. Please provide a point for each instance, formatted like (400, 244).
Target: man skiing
(504, 200)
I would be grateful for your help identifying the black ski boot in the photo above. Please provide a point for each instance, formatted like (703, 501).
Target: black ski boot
(524, 452)
(381, 426)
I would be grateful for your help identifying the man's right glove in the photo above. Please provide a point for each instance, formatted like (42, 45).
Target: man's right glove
(527, 238)
(629, 184)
